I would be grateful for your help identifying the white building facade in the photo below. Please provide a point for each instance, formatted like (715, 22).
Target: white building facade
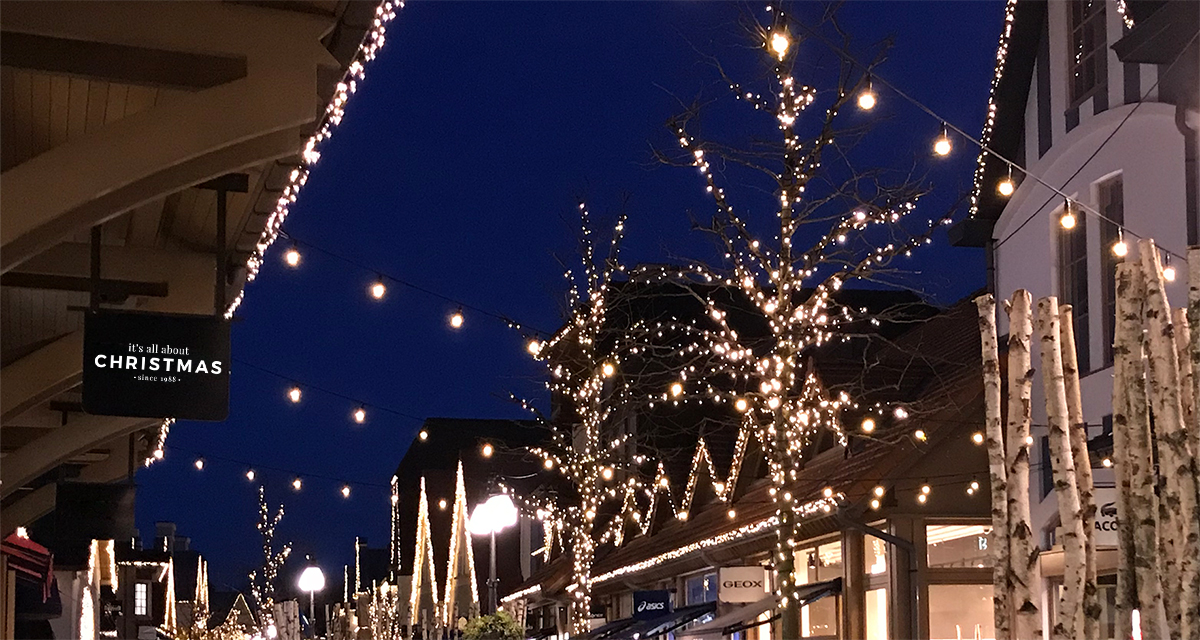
(1099, 99)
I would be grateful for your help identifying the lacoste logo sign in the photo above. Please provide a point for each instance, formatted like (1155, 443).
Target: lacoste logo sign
(651, 606)
(743, 584)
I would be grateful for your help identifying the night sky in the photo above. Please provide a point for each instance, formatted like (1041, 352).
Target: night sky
(458, 168)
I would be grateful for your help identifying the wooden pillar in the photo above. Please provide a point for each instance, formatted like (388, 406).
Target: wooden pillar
(854, 585)
(903, 581)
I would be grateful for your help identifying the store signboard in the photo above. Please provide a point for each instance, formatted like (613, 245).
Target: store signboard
(145, 365)
(1106, 516)
(742, 584)
(651, 604)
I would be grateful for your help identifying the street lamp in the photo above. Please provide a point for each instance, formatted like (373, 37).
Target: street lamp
(312, 581)
(489, 518)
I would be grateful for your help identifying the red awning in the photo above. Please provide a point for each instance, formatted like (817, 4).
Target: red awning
(31, 562)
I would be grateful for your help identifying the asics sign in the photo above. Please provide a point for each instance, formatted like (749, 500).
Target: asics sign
(651, 604)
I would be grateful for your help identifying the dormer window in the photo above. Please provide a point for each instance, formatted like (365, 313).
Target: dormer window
(1088, 62)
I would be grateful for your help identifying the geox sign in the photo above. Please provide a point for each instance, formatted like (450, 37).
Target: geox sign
(742, 584)
(145, 365)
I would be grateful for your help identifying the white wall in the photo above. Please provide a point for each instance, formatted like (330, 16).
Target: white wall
(1148, 152)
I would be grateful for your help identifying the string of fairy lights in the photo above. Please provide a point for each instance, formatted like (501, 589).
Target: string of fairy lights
(779, 42)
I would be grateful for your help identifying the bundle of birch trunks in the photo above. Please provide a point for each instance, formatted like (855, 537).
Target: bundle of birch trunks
(1156, 453)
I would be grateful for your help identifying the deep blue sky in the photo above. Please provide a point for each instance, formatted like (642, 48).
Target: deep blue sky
(457, 168)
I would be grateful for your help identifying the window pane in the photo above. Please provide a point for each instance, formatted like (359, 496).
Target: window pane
(829, 561)
(958, 546)
(877, 619)
(961, 611)
(820, 618)
(875, 556)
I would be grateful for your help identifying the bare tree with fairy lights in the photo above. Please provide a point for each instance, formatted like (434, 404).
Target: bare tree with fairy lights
(262, 582)
(826, 223)
(589, 448)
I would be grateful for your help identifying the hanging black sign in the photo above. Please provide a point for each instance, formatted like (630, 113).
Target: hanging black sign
(146, 365)
(651, 604)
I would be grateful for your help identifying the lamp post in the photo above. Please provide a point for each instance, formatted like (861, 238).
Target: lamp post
(312, 580)
(489, 518)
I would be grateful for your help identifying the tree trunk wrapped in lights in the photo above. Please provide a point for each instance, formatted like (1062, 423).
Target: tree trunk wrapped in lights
(997, 474)
(1069, 624)
(1023, 553)
(1177, 490)
(827, 226)
(1077, 431)
(1132, 447)
(584, 366)
(262, 586)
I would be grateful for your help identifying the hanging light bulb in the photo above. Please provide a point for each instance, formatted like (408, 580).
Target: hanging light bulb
(1068, 217)
(868, 425)
(919, 434)
(345, 491)
(922, 498)
(548, 463)
(456, 320)
(925, 489)
(424, 435)
(608, 369)
(360, 415)
(780, 42)
(488, 450)
(827, 492)
(977, 437)
(731, 513)
(199, 464)
(676, 389)
(292, 257)
(878, 491)
(296, 484)
(975, 485)
(875, 504)
(378, 289)
(1168, 268)
(294, 394)
(741, 405)
(1006, 187)
(866, 99)
(534, 347)
(942, 145)
(250, 475)
(1119, 248)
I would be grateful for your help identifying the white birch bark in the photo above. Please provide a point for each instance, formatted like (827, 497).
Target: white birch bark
(1183, 349)
(1002, 603)
(1194, 322)
(1136, 456)
(1069, 623)
(1177, 491)
(1126, 595)
(1077, 434)
(1023, 553)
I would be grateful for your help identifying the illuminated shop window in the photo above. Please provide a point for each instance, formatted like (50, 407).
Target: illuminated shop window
(958, 546)
(961, 611)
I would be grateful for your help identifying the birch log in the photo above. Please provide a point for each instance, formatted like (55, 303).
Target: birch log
(1136, 455)
(1077, 434)
(1022, 551)
(1194, 322)
(1183, 349)
(1069, 623)
(1177, 491)
(1001, 600)
(1126, 595)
